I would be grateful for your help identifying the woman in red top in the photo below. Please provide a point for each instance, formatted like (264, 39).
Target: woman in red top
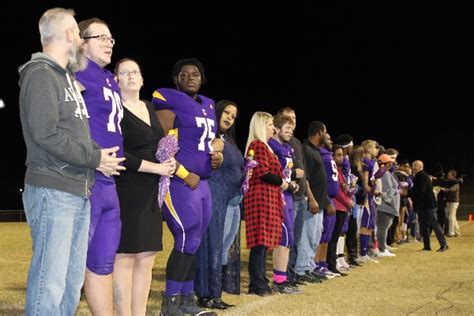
(342, 203)
(263, 204)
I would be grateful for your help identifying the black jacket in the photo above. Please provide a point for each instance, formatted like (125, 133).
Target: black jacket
(422, 192)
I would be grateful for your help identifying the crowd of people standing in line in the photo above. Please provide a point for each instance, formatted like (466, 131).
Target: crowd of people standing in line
(92, 183)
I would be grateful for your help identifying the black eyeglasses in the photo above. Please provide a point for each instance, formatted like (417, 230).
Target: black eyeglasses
(103, 38)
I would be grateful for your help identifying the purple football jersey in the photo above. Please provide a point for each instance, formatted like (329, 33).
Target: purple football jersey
(346, 166)
(196, 125)
(285, 154)
(331, 172)
(103, 101)
(368, 165)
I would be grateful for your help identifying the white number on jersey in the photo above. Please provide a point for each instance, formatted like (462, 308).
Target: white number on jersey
(334, 170)
(207, 132)
(116, 109)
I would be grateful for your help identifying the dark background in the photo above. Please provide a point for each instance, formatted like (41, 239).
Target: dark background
(397, 74)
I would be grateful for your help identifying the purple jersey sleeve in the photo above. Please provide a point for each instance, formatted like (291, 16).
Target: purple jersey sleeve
(104, 105)
(285, 154)
(346, 166)
(195, 121)
(331, 172)
(368, 165)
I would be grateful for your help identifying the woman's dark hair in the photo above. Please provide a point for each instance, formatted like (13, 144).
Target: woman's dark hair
(229, 135)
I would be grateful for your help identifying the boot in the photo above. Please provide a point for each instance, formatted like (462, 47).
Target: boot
(188, 306)
(170, 305)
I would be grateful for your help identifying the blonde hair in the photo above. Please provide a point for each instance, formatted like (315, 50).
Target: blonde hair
(258, 129)
(356, 157)
(368, 145)
(54, 22)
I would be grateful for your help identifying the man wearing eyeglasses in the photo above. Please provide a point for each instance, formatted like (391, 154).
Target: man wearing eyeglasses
(102, 97)
(60, 166)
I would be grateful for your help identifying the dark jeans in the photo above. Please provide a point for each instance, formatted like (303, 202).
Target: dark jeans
(428, 220)
(392, 231)
(332, 245)
(443, 218)
(351, 239)
(257, 270)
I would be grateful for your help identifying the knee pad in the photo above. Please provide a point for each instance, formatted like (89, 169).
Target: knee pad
(178, 266)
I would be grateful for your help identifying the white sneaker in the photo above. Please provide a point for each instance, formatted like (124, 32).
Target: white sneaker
(367, 258)
(390, 248)
(343, 264)
(329, 274)
(387, 253)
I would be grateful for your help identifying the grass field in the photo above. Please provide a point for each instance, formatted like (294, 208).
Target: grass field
(413, 283)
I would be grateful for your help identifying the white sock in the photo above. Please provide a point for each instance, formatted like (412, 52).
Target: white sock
(340, 245)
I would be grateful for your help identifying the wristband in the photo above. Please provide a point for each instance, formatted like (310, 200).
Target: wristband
(182, 173)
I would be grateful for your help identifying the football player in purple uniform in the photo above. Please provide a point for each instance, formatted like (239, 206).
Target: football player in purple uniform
(60, 166)
(188, 205)
(329, 215)
(102, 96)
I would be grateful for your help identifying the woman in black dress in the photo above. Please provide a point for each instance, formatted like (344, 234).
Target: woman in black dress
(137, 189)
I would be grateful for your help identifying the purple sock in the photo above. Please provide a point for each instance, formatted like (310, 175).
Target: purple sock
(323, 264)
(364, 240)
(173, 287)
(188, 288)
(316, 268)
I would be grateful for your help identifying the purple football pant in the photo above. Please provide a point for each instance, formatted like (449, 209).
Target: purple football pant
(287, 238)
(328, 226)
(187, 213)
(104, 229)
(368, 215)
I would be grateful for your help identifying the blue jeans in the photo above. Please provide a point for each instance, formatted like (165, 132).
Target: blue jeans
(59, 224)
(307, 232)
(231, 226)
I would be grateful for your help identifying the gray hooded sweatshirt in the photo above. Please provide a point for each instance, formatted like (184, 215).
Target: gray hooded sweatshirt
(60, 152)
(390, 195)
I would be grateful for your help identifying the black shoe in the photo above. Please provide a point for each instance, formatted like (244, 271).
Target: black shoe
(220, 301)
(204, 302)
(170, 305)
(295, 283)
(443, 248)
(336, 271)
(213, 303)
(353, 264)
(426, 249)
(189, 306)
(285, 288)
(308, 278)
(261, 292)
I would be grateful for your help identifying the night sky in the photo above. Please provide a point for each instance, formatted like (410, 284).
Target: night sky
(373, 72)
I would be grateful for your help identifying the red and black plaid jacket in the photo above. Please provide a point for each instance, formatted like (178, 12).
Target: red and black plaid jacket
(263, 204)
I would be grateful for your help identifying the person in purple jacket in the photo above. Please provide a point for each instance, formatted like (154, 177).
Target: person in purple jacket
(188, 205)
(102, 96)
(329, 218)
